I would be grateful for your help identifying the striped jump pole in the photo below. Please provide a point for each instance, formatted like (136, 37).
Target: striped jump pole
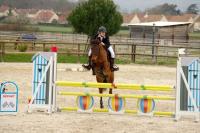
(114, 86)
(123, 96)
(120, 95)
(146, 103)
(127, 111)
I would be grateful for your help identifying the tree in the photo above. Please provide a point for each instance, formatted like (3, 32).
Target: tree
(193, 9)
(81, 1)
(167, 9)
(89, 15)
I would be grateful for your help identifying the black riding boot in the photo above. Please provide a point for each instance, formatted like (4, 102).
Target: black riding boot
(112, 66)
(89, 65)
(93, 70)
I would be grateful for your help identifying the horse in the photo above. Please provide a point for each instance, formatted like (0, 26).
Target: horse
(101, 66)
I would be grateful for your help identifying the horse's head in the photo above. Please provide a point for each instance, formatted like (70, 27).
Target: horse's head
(95, 49)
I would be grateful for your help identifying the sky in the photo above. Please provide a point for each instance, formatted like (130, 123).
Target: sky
(130, 5)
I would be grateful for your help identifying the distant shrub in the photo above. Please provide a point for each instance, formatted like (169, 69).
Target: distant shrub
(22, 47)
(46, 49)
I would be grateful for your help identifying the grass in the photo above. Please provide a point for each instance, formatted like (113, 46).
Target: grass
(55, 29)
(194, 35)
(68, 29)
(123, 33)
(62, 58)
(160, 61)
(22, 57)
(66, 58)
(62, 29)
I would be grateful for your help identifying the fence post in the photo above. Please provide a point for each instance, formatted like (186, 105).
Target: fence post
(1, 52)
(156, 53)
(44, 47)
(33, 45)
(78, 53)
(2, 48)
(133, 51)
(153, 44)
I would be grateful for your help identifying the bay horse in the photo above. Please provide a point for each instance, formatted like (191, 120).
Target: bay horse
(101, 66)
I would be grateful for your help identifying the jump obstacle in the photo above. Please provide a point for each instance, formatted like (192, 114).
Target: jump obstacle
(187, 98)
(8, 98)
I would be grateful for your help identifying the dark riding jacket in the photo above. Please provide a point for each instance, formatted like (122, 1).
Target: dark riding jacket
(105, 40)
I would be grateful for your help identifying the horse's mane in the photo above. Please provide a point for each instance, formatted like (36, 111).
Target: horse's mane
(95, 41)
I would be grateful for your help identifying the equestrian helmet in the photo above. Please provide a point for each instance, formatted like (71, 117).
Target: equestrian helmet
(102, 29)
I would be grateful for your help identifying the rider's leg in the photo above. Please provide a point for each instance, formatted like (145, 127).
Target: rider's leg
(112, 60)
(89, 65)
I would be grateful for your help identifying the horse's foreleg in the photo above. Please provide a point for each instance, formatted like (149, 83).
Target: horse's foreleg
(101, 99)
(101, 103)
(111, 81)
(110, 91)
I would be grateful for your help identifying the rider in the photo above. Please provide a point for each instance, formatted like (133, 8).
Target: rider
(104, 38)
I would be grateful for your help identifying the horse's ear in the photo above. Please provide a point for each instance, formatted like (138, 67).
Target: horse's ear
(94, 41)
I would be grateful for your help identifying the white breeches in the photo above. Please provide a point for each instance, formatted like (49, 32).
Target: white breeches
(110, 49)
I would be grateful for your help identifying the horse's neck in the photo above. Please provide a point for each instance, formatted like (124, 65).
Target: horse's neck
(103, 54)
(103, 60)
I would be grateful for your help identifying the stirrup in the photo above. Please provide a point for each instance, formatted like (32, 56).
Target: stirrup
(86, 66)
(115, 68)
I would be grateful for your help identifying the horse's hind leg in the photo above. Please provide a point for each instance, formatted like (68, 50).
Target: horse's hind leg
(101, 99)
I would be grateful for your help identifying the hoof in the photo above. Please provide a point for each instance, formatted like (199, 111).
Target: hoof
(101, 106)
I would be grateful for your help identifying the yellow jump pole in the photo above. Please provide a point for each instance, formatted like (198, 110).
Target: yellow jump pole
(156, 113)
(120, 95)
(114, 86)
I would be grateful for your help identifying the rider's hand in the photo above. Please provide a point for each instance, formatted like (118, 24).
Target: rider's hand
(102, 43)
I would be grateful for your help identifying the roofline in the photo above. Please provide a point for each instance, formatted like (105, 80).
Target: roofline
(150, 24)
